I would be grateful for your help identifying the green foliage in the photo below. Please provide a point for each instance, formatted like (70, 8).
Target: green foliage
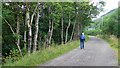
(12, 57)
(17, 36)
(111, 39)
(109, 23)
(93, 32)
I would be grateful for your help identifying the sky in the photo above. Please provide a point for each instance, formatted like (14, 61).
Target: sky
(110, 5)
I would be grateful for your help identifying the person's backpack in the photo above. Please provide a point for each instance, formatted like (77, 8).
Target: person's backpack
(82, 37)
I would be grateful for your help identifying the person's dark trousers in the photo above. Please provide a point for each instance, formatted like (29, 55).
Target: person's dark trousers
(82, 44)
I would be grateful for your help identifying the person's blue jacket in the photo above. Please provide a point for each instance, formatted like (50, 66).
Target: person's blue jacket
(82, 38)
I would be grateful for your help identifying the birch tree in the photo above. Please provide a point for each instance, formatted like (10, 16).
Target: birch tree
(36, 30)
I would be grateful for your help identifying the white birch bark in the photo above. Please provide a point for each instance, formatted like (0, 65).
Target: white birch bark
(36, 32)
(66, 39)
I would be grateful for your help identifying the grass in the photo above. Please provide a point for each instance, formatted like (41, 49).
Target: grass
(112, 40)
(40, 57)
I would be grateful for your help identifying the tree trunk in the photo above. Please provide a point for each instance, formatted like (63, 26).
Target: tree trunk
(76, 21)
(67, 29)
(36, 32)
(51, 33)
(29, 23)
(46, 41)
(81, 28)
(25, 33)
(78, 29)
(25, 38)
(29, 39)
(62, 30)
(73, 30)
(75, 34)
(18, 33)
(29, 31)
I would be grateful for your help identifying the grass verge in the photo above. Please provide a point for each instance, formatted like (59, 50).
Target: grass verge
(47, 54)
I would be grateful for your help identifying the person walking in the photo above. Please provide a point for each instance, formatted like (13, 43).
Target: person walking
(82, 40)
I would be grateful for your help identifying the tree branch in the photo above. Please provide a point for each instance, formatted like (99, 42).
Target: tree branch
(33, 14)
(8, 25)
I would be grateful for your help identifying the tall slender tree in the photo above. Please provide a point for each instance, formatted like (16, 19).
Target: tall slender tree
(36, 30)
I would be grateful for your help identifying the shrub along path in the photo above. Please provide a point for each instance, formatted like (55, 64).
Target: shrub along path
(97, 52)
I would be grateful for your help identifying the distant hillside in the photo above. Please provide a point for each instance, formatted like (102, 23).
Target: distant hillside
(109, 13)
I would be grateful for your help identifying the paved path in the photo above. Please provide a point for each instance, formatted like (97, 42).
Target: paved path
(97, 52)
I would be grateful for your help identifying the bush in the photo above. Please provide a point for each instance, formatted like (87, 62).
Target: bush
(93, 32)
(13, 56)
(113, 40)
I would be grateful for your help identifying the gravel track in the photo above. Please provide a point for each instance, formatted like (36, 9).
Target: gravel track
(97, 52)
